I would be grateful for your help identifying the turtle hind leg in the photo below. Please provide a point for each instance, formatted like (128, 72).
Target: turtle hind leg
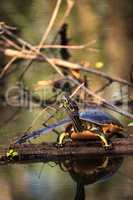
(105, 143)
(61, 139)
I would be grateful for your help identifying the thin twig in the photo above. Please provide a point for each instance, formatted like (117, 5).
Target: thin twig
(50, 25)
(103, 101)
(25, 70)
(69, 65)
(90, 70)
(22, 42)
(76, 90)
(70, 4)
(74, 47)
(103, 87)
(10, 42)
(7, 66)
(10, 118)
(36, 118)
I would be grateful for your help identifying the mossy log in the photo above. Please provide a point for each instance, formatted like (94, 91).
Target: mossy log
(46, 152)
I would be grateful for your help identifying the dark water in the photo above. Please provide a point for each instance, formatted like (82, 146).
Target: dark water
(101, 178)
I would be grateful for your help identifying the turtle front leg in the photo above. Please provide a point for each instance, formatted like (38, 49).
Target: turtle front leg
(61, 139)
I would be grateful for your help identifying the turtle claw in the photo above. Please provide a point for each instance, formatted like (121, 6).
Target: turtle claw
(58, 145)
(108, 147)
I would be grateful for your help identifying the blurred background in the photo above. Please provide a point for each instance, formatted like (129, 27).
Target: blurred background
(107, 22)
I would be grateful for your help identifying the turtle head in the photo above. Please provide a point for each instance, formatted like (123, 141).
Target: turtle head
(69, 105)
(73, 111)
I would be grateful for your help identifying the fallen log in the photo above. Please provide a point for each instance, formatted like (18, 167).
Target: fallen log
(46, 152)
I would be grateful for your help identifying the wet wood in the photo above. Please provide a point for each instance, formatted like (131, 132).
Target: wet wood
(50, 152)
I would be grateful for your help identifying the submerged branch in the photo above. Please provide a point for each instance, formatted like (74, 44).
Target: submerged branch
(50, 152)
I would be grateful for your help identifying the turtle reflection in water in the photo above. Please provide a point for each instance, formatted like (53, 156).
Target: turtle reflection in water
(90, 124)
(89, 171)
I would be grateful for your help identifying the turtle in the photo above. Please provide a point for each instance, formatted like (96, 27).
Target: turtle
(93, 123)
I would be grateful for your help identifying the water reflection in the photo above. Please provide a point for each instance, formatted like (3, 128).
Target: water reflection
(90, 171)
(55, 180)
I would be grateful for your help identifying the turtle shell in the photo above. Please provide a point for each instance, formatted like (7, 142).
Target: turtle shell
(99, 117)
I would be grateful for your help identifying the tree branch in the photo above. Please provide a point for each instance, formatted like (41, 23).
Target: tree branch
(26, 54)
(49, 152)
